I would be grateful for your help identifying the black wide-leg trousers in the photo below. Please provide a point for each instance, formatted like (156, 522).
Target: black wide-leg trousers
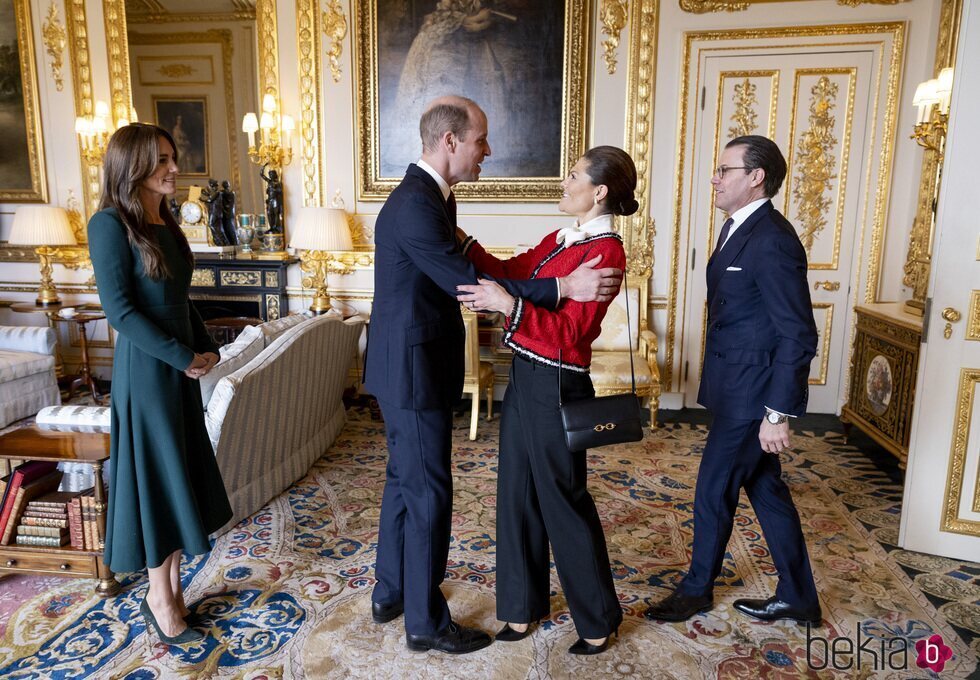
(542, 497)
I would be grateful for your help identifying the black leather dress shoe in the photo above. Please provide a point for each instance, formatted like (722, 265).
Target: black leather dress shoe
(774, 610)
(383, 613)
(453, 639)
(678, 607)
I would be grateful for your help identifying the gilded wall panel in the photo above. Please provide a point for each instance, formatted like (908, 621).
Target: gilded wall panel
(816, 179)
(823, 313)
(958, 477)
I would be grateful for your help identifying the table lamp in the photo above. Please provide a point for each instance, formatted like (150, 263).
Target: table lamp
(43, 226)
(317, 233)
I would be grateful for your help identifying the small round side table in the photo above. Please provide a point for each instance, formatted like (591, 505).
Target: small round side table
(84, 377)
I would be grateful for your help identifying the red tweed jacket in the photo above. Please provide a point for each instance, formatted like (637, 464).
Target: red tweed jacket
(536, 333)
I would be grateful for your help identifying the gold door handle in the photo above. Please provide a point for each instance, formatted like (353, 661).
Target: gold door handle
(951, 316)
(827, 285)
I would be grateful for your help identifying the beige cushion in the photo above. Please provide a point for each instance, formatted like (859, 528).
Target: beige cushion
(615, 336)
(14, 365)
(28, 339)
(249, 343)
(613, 368)
(273, 329)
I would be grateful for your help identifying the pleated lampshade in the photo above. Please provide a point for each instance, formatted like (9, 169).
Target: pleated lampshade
(318, 228)
(41, 225)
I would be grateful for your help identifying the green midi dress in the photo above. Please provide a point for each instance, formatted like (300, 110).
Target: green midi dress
(165, 490)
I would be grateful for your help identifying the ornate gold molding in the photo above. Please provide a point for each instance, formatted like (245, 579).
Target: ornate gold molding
(824, 340)
(268, 37)
(962, 417)
(55, 36)
(335, 28)
(222, 37)
(308, 46)
(183, 18)
(24, 51)
(705, 6)
(918, 259)
(638, 229)
(81, 68)
(973, 319)
(745, 116)
(117, 50)
(816, 162)
(612, 14)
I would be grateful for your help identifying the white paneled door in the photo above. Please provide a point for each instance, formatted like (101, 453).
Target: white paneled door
(941, 508)
(821, 106)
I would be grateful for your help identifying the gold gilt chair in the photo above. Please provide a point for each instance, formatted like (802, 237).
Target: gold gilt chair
(479, 374)
(610, 351)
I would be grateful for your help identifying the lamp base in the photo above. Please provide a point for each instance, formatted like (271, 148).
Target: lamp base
(321, 304)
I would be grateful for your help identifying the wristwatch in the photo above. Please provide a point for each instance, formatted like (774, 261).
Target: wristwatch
(775, 418)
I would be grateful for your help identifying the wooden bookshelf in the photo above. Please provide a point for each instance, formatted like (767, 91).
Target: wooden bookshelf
(34, 443)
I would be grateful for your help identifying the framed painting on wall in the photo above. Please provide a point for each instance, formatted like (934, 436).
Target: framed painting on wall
(523, 61)
(22, 177)
(186, 119)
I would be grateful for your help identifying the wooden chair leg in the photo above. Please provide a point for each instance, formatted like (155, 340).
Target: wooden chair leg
(490, 402)
(654, 407)
(474, 414)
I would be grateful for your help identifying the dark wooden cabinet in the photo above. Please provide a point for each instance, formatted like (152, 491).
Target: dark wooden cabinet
(884, 365)
(229, 288)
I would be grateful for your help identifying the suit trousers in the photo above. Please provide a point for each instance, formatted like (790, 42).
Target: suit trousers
(542, 497)
(416, 511)
(732, 459)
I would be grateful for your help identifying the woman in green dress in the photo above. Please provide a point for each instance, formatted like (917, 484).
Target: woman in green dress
(166, 494)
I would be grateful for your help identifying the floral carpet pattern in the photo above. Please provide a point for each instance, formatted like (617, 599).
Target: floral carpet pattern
(286, 593)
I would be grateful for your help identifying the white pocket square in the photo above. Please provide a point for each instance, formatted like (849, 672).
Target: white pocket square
(734, 269)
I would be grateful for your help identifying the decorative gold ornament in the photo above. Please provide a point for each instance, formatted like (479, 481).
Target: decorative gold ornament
(744, 118)
(962, 417)
(55, 36)
(176, 70)
(335, 28)
(950, 316)
(612, 13)
(816, 162)
(308, 47)
(973, 323)
(705, 6)
(117, 49)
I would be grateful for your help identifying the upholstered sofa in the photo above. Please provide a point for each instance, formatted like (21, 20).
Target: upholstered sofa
(274, 414)
(27, 375)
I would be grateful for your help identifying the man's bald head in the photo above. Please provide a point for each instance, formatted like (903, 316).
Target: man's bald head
(451, 113)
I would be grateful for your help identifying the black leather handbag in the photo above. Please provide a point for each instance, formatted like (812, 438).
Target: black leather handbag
(601, 421)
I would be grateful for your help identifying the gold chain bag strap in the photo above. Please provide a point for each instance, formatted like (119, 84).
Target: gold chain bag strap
(601, 421)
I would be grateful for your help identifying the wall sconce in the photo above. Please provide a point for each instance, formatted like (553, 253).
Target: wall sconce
(43, 226)
(932, 101)
(319, 233)
(276, 131)
(93, 132)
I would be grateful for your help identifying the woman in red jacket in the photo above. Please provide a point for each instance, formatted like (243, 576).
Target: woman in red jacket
(542, 495)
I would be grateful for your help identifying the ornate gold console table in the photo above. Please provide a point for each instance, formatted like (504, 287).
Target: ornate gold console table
(884, 365)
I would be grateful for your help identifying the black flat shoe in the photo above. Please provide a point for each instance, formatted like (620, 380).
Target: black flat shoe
(383, 613)
(583, 648)
(508, 634)
(773, 609)
(453, 639)
(678, 607)
(185, 637)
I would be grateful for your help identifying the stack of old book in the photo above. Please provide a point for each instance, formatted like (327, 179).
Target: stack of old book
(34, 513)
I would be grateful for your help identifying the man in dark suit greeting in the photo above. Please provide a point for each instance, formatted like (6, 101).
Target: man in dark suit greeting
(760, 340)
(415, 367)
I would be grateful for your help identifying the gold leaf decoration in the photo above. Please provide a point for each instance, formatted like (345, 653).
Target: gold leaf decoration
(816, 162)
(335, 28)
(705, 6)
(176, 70)
(613, 17)
(55, 36)
(744, 118)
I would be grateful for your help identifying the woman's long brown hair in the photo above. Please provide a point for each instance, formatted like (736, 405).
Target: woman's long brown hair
(132, 155)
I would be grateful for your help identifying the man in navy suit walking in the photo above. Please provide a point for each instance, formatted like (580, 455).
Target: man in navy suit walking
(760, 341)
(415, 367)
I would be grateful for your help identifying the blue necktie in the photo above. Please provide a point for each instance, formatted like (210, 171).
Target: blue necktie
(723, 236)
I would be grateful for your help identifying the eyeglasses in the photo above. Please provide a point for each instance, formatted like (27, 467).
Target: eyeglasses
(722, 169)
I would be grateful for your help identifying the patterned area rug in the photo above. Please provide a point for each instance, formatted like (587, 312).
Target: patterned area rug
(286, 594)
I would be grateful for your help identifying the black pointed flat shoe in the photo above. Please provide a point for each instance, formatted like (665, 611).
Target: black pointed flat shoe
(185, 637)
(508, 634)
(583, 648)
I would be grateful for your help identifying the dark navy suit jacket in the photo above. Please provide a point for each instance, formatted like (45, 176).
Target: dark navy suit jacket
(415, 342)
(761, 334)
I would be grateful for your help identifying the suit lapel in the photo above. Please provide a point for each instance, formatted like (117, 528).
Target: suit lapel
(433, 187)
(722, 260)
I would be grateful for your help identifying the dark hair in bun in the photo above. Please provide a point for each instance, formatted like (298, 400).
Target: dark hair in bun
(613, 167)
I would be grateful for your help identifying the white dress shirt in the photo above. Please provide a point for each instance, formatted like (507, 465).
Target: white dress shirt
(742, 214)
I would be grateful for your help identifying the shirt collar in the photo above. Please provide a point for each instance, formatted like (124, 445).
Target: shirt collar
(443, 184)
(743, 213)
(597, 225)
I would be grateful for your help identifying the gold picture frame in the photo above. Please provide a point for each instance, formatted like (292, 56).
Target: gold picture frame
(23, 155)
(532, 150)
(186, 119)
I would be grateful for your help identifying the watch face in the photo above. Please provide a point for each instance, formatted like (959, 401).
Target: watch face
(190, 212)
(773, 418)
